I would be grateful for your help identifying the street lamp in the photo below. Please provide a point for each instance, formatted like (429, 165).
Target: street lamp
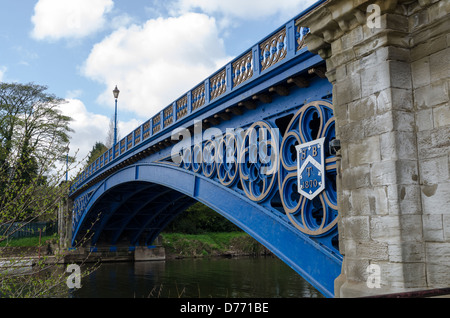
(116, 96)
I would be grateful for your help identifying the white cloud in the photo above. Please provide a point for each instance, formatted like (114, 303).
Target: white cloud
(57, 19)
(248, 9)
(155, 63)
(89, 128)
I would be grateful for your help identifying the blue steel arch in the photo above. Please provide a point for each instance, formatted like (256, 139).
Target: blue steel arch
(315, 262)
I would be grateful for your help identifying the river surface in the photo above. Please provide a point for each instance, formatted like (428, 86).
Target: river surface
(262, 277)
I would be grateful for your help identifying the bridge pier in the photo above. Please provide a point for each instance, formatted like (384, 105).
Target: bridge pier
(389, 63)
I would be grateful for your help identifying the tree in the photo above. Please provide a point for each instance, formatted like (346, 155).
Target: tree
(32, 129)
(199, 219)
(98, 150)
(110, 137)
(34, 137)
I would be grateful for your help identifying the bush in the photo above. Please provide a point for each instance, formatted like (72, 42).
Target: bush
(200, 219)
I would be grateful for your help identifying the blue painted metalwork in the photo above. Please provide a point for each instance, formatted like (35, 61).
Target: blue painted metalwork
(242, 154)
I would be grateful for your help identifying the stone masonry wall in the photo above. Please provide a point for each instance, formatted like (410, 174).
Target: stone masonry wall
(430, 69)
(391, 88)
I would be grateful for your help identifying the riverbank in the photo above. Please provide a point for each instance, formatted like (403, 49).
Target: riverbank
(227, 244)
(168, 246)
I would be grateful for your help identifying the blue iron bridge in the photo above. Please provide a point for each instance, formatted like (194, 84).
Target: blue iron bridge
(252, 142)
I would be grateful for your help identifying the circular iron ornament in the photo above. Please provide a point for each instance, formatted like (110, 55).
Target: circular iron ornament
(209, 159)
(318, 216)
(197, 158)
(258, 161)
(186, 159)
(227, 159)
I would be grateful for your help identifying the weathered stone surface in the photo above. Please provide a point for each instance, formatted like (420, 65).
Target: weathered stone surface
(392, 99)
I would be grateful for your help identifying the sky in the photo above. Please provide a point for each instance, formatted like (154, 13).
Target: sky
(153, 50)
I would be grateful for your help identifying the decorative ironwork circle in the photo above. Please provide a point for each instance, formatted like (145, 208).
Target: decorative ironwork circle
(258, 161)
(227, 159)
(318, 216)
(186, 159)
(209, 159)
(197, 158)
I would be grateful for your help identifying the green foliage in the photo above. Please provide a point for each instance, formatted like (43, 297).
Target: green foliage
(34, 138)
(98, 150)
(200, 219)
(211, 244)
(27, 241)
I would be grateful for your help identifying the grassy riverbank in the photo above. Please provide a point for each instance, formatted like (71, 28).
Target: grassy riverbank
(181, 245)
(211, 244)
(27, 241)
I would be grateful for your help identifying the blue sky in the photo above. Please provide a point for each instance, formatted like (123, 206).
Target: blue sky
(153, 50)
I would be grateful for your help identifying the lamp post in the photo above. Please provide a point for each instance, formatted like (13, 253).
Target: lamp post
(116, 96)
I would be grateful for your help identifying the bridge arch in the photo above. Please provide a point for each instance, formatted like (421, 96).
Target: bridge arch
(140, 200)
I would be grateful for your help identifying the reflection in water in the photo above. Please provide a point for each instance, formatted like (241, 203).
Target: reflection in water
(264, 277)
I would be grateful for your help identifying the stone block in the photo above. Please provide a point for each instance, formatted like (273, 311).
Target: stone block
(418, 20)
(345, 203)
(371, 250)
(406, 145)
(394, 99)
(446, 225)
(378, 124)
(395, 229)
(404, 121)
(425, 46)
(400, 74)
(341, 113)
(144, 253)
(364, 152)
(384, 173)
(438, 253)
(368, 201)
(424, 119)
(407, 171)
(441, 115)
(407, 252)
(406, 275)
(391, 172)
(353, 37)
(433, 143)
(351, 132)
(375, 79)
(356, 228)
(440, 64)
(363, 108)
(436, 198)
(348, 90)
(433, 229)
(410, 202)
(434, 170)
(356, 177)
(437, 276)
(421, 72)
(438, 260)
(356, 269)
(431, 95)
(439, 10)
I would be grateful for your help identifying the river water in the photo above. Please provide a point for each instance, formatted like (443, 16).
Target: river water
(262, 277)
